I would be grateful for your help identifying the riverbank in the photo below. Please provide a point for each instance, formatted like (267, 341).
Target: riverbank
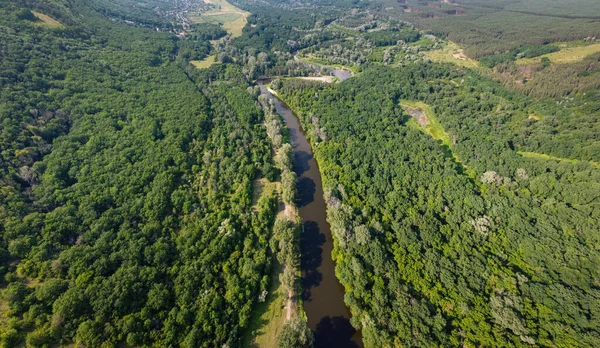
(322, 294)
(282, 302)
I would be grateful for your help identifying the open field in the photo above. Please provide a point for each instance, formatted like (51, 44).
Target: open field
(553, 158)
(263, 187)
(204, 63)
(47, 21)
(565, 55)
(424, 118)
(535, 116)
(232, 18)
(452, 53)
(311, 59)
(268, 317)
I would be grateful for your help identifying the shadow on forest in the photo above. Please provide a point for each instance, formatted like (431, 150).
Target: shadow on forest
(334, 332)
(301, 159)
(306, 191)
(450, 155)
(312, 256)
(458, 166)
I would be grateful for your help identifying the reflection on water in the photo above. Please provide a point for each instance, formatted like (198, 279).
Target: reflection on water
(342, 74)
(312, 256)
(306, 192)
(301, 159)
(323, 296)
(334, 332)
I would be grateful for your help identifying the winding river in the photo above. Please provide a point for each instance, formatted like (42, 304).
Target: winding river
(323, 296)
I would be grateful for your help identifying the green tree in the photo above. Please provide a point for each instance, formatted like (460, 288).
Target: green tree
(295, 334)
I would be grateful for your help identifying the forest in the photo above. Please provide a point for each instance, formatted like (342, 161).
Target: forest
(488, 28)
(125, 188)
(460, 165)
(468, 241)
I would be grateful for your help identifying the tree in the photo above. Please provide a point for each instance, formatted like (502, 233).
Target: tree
(295, 334)
(545, 61)
(288, 187)
(285, 157)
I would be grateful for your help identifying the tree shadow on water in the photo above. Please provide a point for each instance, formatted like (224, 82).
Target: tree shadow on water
(301, 159)
(334, 332)
(312, 255)
(306, 191)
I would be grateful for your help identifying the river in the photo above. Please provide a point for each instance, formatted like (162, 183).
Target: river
(341, 74)
(323, 296)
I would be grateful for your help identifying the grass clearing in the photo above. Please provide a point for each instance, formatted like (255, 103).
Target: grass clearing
(424, 119)
(567, 54)
(545, 157)
(432, 126)
(4, 308)
(452, 53)
(535, 116)
(268, 317)
(47, 21)
(263, 187)
(232, 18)
(311, 59)
(204, 63)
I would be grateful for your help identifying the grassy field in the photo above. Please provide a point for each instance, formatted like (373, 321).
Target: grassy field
(47, 21)
(263, 187)
(437, 132)
(567, 54)
(268, 317)
(232, 18)
(204, 63)
(553, 158)
(535, 116)
(434, 128)
(452, 53)
(311, 59)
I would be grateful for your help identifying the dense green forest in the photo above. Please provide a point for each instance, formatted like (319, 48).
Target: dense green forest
(467, 243)
(487, 27)
(129, 214)
(125, 187)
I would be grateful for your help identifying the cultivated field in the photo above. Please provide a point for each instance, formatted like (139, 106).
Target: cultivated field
(232, 18)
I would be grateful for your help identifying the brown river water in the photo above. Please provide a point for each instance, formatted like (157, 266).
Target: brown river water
(323, 296)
